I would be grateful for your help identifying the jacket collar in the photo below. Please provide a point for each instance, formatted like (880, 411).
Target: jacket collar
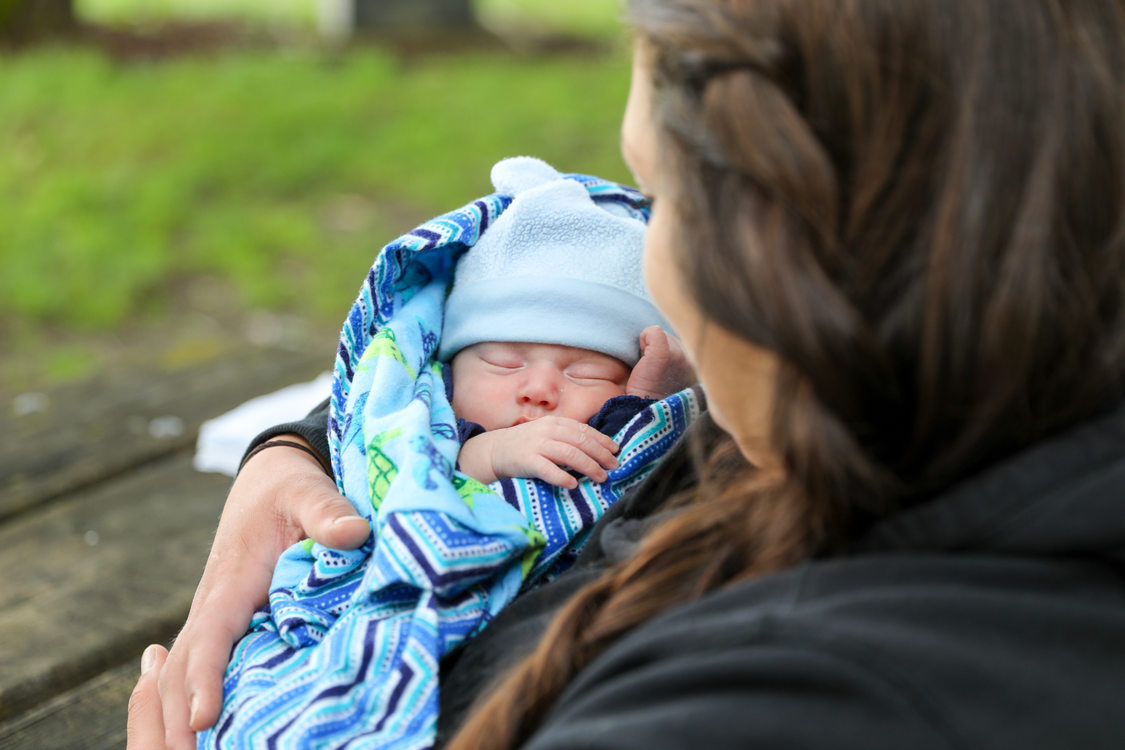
(1064, 495)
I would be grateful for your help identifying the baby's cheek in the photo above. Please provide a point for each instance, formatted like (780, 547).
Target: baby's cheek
(596, 399)
(467, 402)
(487, 401)
(616, 389)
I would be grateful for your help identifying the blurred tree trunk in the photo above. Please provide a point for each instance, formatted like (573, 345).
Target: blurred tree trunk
(416, 14)
(24, 21)
(390, 17)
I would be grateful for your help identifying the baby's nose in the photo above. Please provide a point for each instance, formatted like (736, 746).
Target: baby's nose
(540, 388)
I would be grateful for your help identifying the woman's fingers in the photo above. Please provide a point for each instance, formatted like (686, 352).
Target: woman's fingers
(327, 517)
(145, 729)
(281, 496)
(203, 648)
(191, 680)
(178, 735)
(235, 583)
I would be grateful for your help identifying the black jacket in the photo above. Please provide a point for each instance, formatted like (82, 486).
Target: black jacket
(990, 617)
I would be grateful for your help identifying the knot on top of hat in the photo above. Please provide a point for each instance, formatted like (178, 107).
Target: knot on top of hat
(517, 174)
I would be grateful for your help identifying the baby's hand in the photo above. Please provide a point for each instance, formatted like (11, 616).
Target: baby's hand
(663, 368)
(539, 449)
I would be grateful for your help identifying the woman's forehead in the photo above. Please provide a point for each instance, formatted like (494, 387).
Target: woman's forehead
(638, 129)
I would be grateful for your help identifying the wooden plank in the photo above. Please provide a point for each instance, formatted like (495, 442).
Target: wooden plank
(74, 436)
(91, 579)
(92, 716)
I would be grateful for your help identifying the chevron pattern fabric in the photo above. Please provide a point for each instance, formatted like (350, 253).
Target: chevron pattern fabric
(347, 652)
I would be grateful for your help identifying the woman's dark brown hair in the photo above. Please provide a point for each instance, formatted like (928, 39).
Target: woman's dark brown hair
(919, 207)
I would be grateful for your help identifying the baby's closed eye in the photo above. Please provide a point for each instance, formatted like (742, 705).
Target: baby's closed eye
(591, 375)
(504, 363)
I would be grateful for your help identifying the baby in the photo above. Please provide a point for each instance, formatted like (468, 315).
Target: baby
(536, 400)
(553, 341)
(549, 346)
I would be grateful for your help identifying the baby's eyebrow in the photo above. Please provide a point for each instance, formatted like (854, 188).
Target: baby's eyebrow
(599, 365)
(501, 347)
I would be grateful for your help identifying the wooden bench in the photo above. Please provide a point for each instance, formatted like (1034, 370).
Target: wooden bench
(104, 529)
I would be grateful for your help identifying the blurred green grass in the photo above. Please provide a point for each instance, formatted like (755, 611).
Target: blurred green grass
(288, 12)
(278, 172)
(115, 180)
(584, 17)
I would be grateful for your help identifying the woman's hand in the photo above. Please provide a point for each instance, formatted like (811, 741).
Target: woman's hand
(146, 719)
(280, 496)
(663, 369)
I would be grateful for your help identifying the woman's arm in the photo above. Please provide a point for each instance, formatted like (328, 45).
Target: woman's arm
(280, 496)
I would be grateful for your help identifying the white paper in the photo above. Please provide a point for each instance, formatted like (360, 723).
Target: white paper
(224, 439)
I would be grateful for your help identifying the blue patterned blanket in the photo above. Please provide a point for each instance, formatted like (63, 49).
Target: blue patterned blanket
(347, 653)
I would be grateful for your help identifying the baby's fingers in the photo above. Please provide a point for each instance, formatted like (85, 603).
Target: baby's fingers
(544, 468)
(573, 457)
(654, 342)
(588, 440)
(605, 442)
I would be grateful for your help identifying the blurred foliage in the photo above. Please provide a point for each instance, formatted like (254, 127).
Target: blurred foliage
(288, 12)
(582, 17)
(283, 173)
(232, 187)
(586, 17)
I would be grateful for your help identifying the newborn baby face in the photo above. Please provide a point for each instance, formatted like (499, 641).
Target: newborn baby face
(504, 384)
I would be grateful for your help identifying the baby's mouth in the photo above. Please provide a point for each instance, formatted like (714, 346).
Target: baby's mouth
(521, 420)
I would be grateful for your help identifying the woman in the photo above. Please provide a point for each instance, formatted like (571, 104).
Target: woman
(891, 234)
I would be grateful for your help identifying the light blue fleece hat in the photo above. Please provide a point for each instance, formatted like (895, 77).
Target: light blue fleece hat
(554, 268)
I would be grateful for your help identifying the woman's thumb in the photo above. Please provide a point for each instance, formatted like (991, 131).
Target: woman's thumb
(331, 520)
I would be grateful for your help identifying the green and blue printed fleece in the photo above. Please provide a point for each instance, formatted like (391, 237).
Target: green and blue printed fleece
(346, 654)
